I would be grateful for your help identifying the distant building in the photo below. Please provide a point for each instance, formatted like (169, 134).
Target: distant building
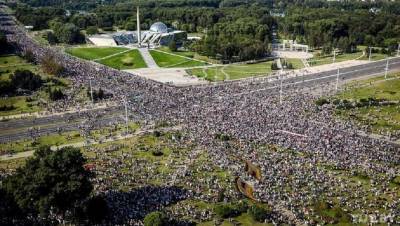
(158, 35)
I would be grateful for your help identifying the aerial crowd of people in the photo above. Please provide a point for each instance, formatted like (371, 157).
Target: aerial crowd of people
(303, 151)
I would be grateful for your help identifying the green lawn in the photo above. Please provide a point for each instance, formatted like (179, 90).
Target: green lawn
(328, 59)
(94, 52)
(8, 65)
(55, 139)
(20, 104)
(297, 63)
(231, 72)
(189, 54)
(168, 60)
(129, 60)
(379, 117)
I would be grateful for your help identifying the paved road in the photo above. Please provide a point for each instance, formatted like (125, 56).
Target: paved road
(312, 80)
(22, 129)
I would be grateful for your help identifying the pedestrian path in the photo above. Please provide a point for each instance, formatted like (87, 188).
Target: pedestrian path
(148, 58)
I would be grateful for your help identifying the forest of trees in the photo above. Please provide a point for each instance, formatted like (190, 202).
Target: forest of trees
(321, 28)
(233, 29)
(50, 184)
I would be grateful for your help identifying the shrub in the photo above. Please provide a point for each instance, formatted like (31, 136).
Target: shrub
(226, 210)
(7, 107)
(51, 66)
(259, 213)
(155, 219)
(157, 152)
(91, 30)
(56, 94)
(26, 79)
(321, 101)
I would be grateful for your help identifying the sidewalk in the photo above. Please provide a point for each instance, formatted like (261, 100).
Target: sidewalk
(148, 58)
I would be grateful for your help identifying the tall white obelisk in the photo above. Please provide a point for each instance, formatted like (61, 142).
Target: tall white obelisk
(138, 26)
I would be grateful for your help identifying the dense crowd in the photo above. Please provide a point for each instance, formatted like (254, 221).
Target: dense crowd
(249, 119)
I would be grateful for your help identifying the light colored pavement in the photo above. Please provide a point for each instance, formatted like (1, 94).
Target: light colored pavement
(173, 76)
(148, 58)
(292, 54)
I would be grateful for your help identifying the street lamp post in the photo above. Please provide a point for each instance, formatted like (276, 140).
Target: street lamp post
(337, 79)
(334, 55)
(398, 50)
(91, 89)
(126, 115)
(386, 68)
(370, 51)
(281, 89)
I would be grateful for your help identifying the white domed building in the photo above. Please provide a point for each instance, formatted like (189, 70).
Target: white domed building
(159, 27)
(160, 34)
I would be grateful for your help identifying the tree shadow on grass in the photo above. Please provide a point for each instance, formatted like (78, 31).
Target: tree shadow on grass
(137, 203)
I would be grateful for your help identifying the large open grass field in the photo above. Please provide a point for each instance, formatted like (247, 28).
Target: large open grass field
(127, 60)
(94, 53)
(9, 63)
(232, 72)
(189, 54)
(178, 59)
(380, 118)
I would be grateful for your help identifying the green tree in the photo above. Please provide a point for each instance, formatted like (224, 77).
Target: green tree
(56, 94)
(68, 33)
(91, 30)
(3, 42)
(51, 66)
(9, 210)
(51, 38)
(260, 213)
(155, 219)
(50, 182)
(25, 79)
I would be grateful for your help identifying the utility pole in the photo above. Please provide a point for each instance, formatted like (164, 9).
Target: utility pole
(126, 115)
(386, 68)
(91, 89)
(281, 90)
(398, 50)
(337, 79)
(334, 56)
(370, 51)
(138, 26)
